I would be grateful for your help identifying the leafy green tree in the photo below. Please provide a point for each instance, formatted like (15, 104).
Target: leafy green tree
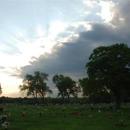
(91, 90)
(66, 86)
(35, 85)
(109, 67)
(40, 85)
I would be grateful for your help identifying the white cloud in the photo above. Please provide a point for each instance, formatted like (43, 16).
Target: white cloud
(68, 35)
(106, 12)
(55, 28)
(90, 3)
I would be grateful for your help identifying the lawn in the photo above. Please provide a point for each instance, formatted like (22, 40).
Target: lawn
(57, 119)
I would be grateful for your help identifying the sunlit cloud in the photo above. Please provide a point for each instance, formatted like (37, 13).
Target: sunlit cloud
(90, 3)
(86, 12)
(106, 12)
(34, 47)
(53, 38)
(55, 28)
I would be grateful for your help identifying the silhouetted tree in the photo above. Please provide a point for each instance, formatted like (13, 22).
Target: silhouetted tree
(109, 67)
(35, 85)
(66, 86)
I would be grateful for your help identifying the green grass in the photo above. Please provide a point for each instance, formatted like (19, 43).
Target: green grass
(99, 121)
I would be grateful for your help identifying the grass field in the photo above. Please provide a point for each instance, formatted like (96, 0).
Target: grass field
(57, 119)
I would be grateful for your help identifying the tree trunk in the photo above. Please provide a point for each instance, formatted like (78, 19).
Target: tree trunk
(68, 98)
(36, 100)
(42, 99)
(118, 101)
(63, 99)
(93, 98)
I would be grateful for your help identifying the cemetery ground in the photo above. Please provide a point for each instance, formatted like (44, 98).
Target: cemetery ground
(66, 117)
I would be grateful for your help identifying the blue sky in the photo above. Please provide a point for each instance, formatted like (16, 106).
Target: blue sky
(56, 37)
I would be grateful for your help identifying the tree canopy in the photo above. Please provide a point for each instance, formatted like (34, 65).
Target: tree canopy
(109, 67)
(66, 86)
(35, 85)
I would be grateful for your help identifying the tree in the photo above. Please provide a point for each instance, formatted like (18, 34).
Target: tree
(91, 89)
(39, 84)
(66, 86)
(109, 67)
(35, 85)
(0, 89)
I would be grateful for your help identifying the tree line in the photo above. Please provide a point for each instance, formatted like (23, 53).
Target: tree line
(108, 73)
(36, 86)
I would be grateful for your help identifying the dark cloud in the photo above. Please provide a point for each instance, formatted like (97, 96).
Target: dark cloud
(68, 59)
(101, 34)
(71, 57)
(121, 20)
(121, 11)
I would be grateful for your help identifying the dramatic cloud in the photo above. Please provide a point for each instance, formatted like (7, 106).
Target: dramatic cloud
(71, 56)
(59, 39)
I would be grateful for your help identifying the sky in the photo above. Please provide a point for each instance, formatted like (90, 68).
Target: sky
(56, 37)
